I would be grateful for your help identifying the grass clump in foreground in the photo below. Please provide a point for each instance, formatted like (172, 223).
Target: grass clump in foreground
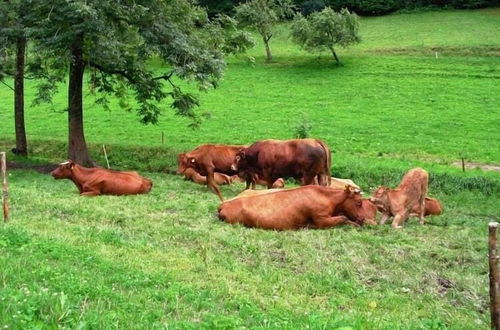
(164, 259)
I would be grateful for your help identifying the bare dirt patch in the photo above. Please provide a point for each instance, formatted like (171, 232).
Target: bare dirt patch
(472, 166)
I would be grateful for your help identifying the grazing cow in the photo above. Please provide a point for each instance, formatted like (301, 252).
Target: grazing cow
(302, 207)
(220, 179)
(207, 159)
(304, 159)
(100, 181)
(432, 207)
(401, 201)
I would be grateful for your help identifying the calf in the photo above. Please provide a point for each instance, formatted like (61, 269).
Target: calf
(341, 183)
(97, 181)
(401, 201)
(432, 207)
(220, 179)
(208, 159)
(302, 207)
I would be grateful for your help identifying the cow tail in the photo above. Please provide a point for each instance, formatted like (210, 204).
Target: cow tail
(328, 161)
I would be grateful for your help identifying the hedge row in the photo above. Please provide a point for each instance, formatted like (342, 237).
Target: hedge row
(380, 7)
(361, 7)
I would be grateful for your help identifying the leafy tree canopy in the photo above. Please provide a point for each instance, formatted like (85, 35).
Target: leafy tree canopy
(118, 38)
(262, 15)
(325, 30)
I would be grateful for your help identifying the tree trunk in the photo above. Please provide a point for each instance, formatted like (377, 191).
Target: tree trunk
(21, 144)
(268, 50)
(334, 55)
(77, 147)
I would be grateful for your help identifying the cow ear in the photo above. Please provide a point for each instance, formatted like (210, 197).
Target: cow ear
(347, 189)
(242, 154)
(70, 164)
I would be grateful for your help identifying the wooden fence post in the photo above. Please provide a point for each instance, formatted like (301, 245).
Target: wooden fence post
(105, 155)
(494, 276)
(5, 189)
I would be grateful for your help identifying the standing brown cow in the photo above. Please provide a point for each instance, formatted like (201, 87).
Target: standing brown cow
(302, 207)
(302, 159)
(97, 181)
(399, 202)
(207, 159)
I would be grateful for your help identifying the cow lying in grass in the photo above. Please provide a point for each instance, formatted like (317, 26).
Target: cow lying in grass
(302, 207)
(400, 202)
(279, 183)
(220, 178)
(100, 181)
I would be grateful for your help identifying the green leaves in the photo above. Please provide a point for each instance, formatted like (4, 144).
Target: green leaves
(262, 15)
(119, 38)
(326, 29)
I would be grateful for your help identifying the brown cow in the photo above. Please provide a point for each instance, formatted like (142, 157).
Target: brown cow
(304, 159)
(97, 181)
(207, 159)
(308, 206)
(220, 179)
(401, 201)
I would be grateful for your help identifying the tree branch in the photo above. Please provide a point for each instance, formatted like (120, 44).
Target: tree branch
(3, 82)
(165, 76)
(127, 75)
(122, 73)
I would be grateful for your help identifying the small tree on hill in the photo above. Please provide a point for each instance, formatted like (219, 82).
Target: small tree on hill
(326, 29)
(263, 15)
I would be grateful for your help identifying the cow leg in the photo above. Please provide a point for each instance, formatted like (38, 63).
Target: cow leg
(307, 180)
(323, 180)
(327, 221)
(422, 209)
(212, 185)
(398, 220)
(384, 218)
(90, 193)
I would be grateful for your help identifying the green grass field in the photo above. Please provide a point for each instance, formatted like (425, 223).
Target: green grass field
(164, 260)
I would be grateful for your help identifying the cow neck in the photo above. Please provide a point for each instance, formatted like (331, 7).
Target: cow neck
(79, 172)
(342, 200)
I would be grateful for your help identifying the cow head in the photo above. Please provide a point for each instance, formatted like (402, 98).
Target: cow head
(352, 207)
(184, 162)
(64, 170)
(380, 198)
(240, 161)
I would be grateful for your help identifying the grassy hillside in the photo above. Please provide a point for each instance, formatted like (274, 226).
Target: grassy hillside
(163, 260)
(402, 107)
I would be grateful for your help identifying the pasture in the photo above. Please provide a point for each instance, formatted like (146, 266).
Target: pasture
(163, 260)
